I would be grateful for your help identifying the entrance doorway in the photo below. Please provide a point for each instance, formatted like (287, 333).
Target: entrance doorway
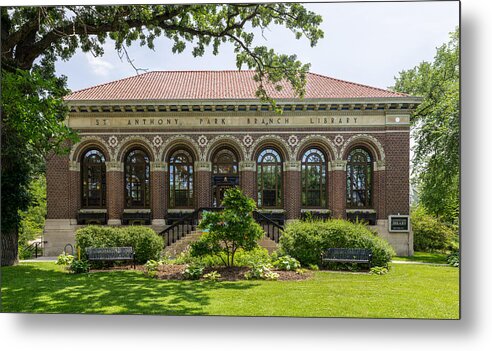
(225, 174)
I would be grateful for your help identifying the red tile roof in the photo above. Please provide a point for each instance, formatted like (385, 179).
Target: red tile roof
(214, 85)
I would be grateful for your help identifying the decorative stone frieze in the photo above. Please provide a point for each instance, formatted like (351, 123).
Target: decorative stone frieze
(202, 140)
(247, 140)
(157, 141)
(113, 141)
(293, 140)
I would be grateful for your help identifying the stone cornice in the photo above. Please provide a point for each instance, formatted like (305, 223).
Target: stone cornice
(394, 104)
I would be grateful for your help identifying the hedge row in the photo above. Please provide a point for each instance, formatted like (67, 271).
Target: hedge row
(307, 240)
(146, 243)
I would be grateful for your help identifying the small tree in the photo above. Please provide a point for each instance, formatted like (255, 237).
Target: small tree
(230, 229)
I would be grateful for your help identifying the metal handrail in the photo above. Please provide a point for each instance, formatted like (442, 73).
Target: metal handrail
(172, 234)
(34, 247)
(261, 219)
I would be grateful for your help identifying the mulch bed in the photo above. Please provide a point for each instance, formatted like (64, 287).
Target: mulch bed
(174, 272)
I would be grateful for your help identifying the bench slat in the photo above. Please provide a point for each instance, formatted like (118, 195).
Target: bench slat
(356, 255)
(110, 253)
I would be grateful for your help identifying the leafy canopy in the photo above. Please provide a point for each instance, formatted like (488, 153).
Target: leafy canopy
(436, 129)
(229, 230)
(32, 32)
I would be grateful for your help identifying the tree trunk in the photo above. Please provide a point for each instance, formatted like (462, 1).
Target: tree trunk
(9, 248)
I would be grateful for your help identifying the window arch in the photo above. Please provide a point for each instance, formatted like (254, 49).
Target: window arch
(181, 180)
(225, 163)
(137, 179)
(359, 178)
(93, 179)
(313, 179)
(269, 178)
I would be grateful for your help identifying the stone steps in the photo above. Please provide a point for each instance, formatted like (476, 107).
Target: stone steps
(181, 245)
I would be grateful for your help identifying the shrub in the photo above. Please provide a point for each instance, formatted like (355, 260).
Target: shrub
(379, 270)
(230, 229)
(79, 266)
(249, 258)
(193, 271)
(454, 259)
(64, 259)
(287, 263)
(212, 276)
(261, 271)
(305, 241)
(313, 267)
(429, 234)
(145, 242)
(151, 267)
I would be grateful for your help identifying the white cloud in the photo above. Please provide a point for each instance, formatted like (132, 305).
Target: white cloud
(99, 66)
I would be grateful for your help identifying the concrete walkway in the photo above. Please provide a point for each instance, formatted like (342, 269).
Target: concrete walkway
(41, 259)
(415, 262)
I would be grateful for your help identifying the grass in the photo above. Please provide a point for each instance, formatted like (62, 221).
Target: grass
(424, 257)
(407, 291)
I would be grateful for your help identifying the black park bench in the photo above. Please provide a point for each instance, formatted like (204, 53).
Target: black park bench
(347, 255)
(111, 254)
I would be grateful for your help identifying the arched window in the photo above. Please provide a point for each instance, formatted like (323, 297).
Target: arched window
(93, 179)
(359, 179)
(137, 179)
(225, 163)
(181, 179)
(313, 179)
(269, 173)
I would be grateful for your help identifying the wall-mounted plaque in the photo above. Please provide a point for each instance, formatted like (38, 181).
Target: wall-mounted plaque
(399, 223)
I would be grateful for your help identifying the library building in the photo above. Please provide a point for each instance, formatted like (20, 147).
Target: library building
(159, 148)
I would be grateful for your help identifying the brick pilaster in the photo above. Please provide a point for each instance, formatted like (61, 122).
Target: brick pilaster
(203, 184)
(338, 193)
(74, 201)
(292, 189)
(247, 178)
(159, 195)
(115, 191)
(58, 187)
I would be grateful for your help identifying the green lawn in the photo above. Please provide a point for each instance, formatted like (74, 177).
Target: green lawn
(408, 291)
(425, 257)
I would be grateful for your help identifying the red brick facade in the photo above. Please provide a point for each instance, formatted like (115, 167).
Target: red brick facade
(389, 197)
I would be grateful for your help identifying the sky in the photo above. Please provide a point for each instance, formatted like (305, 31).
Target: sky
(367, 43)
